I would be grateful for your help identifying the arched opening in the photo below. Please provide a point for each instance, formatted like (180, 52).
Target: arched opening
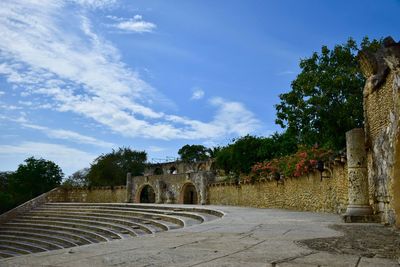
(158, 171)
(189, 194)
(173, 170)
(147, 195)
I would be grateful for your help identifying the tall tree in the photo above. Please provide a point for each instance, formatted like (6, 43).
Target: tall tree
(111, 169)
(193, 153)
(34, 177)
(326, 97)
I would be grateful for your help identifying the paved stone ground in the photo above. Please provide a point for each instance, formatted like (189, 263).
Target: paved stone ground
(243, 237)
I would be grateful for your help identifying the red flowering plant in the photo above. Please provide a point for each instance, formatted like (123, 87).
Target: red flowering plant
(296, 165)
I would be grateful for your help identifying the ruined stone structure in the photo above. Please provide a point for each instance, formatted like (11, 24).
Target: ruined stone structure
(173, 182)
(382, 115)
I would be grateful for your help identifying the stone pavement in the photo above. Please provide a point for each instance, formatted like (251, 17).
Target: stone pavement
(243, 237)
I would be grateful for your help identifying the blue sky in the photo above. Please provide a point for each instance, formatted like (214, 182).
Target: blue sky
(81, 77)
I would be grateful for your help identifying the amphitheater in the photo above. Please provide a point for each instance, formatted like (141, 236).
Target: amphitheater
(54, 226)
(180, 214)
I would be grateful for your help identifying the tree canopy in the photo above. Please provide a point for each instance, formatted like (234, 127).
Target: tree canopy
(34, 177)
(244, 152)
(193, 153)
(111, 169)
(326, 97)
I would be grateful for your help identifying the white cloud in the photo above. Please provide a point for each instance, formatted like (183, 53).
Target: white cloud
(2, 93)
(136, 24)
(77, 71)
(95, 4)
(155, 149)
(69, 135)
(197, 94)
(69, 159)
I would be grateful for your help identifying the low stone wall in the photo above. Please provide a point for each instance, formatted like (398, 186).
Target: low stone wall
(31, 204)
(106, 194)
(306, 193)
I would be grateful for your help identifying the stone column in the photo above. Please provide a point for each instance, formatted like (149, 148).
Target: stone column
(159, 190)
(129, 187)
(357, 175)
(203, 189)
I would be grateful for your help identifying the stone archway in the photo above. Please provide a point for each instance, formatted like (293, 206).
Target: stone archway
(147, 194)
(189, 194)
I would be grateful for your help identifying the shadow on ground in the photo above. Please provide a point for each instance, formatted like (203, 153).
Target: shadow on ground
(369, 241)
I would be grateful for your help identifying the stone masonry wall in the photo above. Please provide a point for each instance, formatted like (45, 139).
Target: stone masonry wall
(382, 115)
(104, 194)
(307, 193)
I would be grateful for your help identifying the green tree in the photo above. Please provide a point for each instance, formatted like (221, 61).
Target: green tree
(244, 152)
(111, 169)
(6, 199)
(193, 153)
(34, 177)
(77, 179)
(326, 97)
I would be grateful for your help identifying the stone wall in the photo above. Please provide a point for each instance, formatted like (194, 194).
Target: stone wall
(303, 193)
(382, 115)
(168, 187)
(104, 194)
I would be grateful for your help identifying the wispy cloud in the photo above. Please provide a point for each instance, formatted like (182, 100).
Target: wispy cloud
(95, 4)
(69, 159)
(135, 24)
(77, 71)
(197, 94)
(286, 72)
(69, 135)
(155, 149)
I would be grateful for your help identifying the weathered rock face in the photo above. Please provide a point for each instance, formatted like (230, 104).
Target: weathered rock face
(382, 114)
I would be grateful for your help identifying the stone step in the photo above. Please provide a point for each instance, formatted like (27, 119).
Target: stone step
(120, 220)
(180, 212)
(106, 230)
(6, 248)
(50, 238)
(21, 244)
(44, 244)
(115, 227)
(91, 233)
(64, 225)
(127, 212)
(196, 210)
(6, 255)
(160, 225)
(52, 231)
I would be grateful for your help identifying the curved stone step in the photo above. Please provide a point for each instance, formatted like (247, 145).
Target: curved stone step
(104, 232)
(5, 255)
(121, 229)
(162, 225)
(6, 248)
(194, 216)
(56, 231)
(57, 241)
(44, 244)
(26, 246)
(136, 214)
(212, 212)
(139, 229)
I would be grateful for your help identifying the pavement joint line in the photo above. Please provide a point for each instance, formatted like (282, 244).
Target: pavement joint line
(302, 255)
(229, 254)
